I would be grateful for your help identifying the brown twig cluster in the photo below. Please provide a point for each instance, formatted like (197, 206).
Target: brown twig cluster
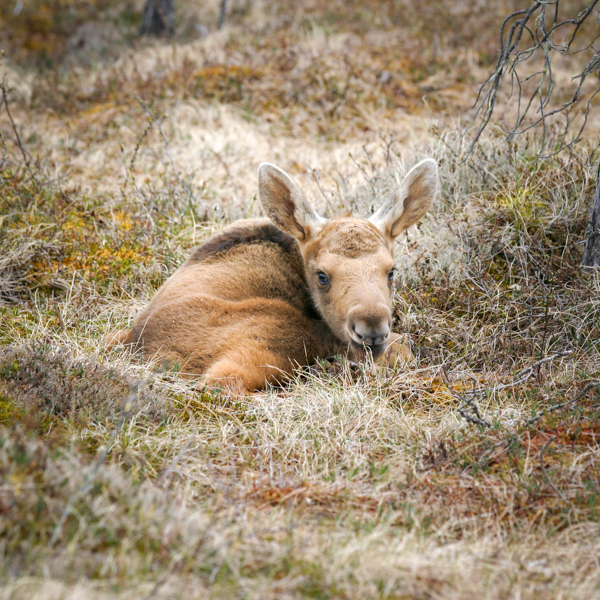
(536, 36)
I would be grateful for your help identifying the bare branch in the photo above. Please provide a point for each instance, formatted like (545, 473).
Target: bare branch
(588, 386)
(516, 48)
(27, 158)
(222, 14)
(546, 476)
(468, 397)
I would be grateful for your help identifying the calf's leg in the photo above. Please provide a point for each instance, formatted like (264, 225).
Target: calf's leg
(248, 369)
(398, 350)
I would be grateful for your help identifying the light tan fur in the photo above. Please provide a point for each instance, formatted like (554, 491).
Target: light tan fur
(263, 297)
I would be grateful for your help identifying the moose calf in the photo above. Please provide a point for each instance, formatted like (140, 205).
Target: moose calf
(262, 297)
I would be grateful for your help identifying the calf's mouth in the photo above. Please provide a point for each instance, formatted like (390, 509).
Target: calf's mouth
(363, 350)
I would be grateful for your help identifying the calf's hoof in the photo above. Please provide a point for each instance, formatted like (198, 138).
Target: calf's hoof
(116, 338)
(233, 387)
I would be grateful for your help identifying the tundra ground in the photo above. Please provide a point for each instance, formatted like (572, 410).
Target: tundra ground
(473, 472)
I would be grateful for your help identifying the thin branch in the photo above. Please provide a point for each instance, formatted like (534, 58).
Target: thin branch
(222, 14)
(4, 148)
(26, 156)
(468, 397)
(158, 123)
(512, 55)
(588, 386)
(317, 178)
(546, 476)
(474, 416)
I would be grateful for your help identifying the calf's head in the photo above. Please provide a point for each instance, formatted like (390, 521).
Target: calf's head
(348, 262)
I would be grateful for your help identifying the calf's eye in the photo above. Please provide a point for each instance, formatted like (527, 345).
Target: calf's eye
(391, 275)
(323, 279)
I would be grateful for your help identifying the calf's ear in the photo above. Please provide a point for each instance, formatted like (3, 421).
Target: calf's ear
(410, 201)
(285, 204)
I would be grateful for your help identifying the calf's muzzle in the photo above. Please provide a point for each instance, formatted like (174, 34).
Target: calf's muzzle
(370, 326)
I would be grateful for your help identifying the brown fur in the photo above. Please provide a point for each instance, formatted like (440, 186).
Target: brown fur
(248, 305)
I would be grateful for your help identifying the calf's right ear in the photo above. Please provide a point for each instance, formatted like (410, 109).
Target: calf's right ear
(285, 204)
(409, 203)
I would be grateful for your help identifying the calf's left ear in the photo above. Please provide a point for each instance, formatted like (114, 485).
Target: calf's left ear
(411, 200)
(285, 204)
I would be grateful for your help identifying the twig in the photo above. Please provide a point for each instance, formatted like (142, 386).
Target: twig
(586, 388)
(315, 175)
(547, 477)
(4, 149)
(521, 377)
(388, 143)
(535, 38)
(158, 123)
(371, 164)
(526, 373)
(468, 397)
(476, 419)
(26, 158)
(222, 14)
(138, 145)
(362, 170)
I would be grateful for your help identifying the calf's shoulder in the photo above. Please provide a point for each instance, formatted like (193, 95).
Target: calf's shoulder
(244, 233)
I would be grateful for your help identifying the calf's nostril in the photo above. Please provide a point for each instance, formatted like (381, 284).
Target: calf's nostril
(381, 339)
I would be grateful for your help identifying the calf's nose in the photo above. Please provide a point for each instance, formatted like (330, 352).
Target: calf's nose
(371, 329)
(369, 336)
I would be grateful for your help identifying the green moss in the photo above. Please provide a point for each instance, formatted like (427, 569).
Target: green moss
(10, 412)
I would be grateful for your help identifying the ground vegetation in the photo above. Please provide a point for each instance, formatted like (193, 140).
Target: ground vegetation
(472, 472)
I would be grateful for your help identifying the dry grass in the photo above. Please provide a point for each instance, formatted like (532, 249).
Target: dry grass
(117, 480)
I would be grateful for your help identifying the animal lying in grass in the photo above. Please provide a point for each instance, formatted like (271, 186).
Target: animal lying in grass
(263, 297)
